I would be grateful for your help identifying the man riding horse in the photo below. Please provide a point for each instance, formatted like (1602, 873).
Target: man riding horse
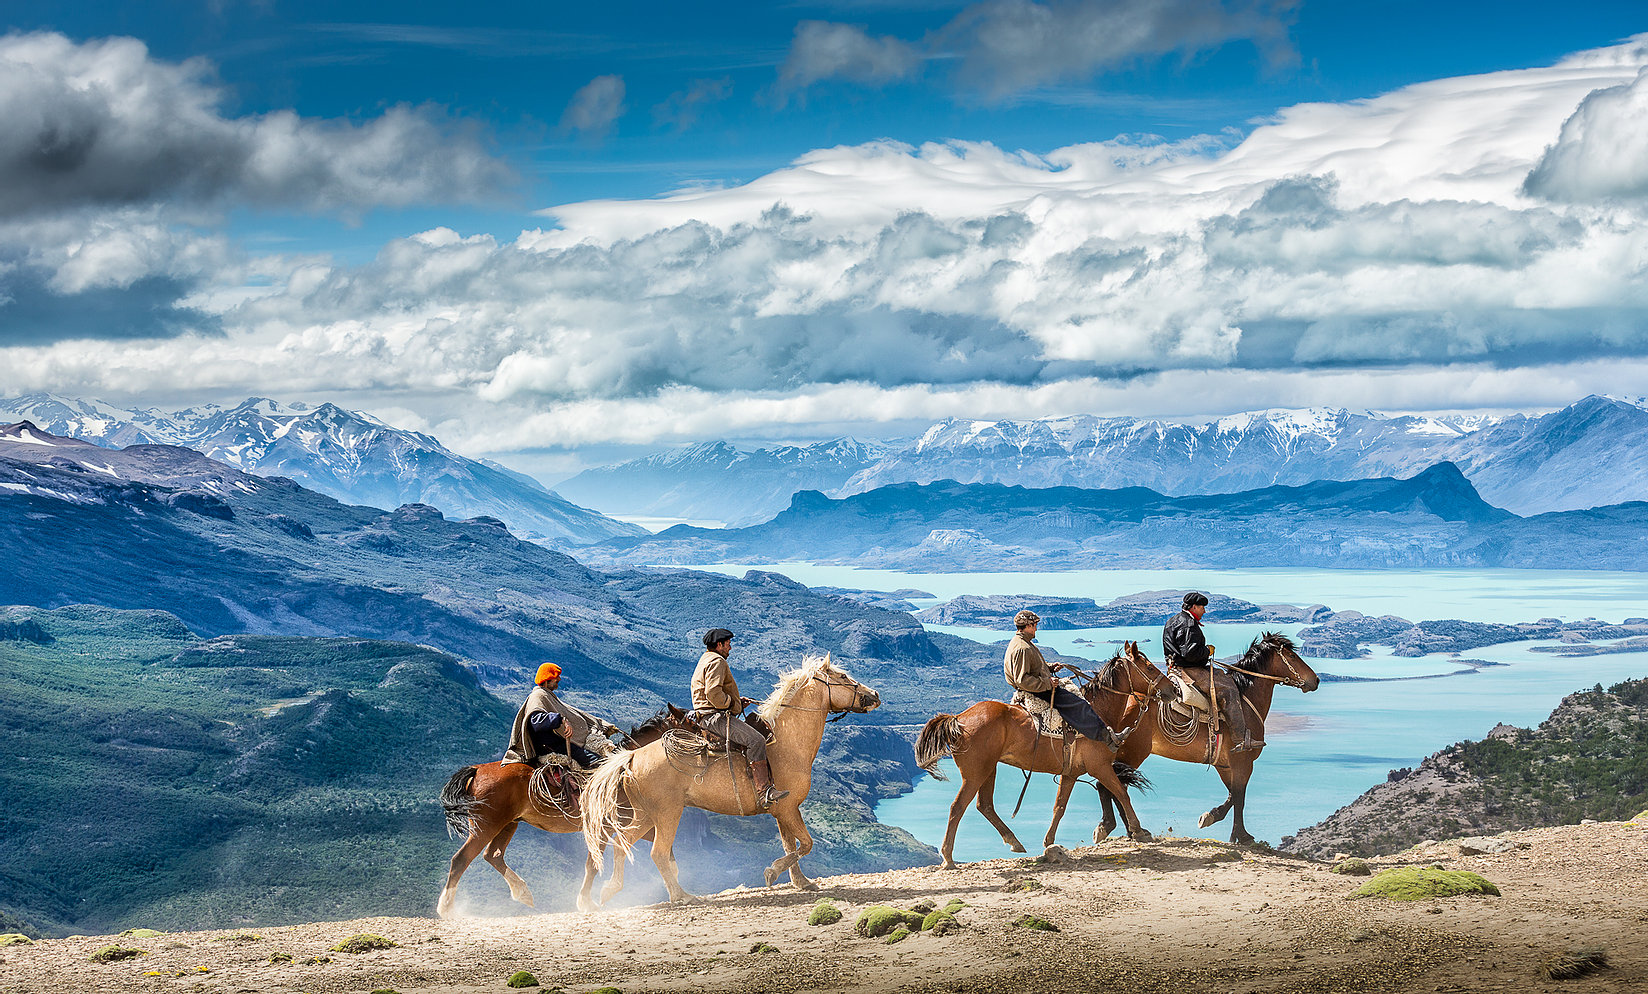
(1028, 672)
(545, 725)
(717, 706)
(1189, 655)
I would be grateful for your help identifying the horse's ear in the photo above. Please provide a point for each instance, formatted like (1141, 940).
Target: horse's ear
(827, 656)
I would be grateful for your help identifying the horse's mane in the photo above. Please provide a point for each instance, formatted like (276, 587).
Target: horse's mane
(655, 723)
(1107, 672)
(1259, 654)
(789, 683)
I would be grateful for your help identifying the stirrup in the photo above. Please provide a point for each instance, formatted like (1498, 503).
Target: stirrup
(1248, 745)
(769, 794)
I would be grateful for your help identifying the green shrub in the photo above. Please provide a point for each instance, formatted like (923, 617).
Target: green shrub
(231, 937)
(879, 919)
(521, 978)
(938, 922)
(762, 947)
(824, 913)
(141, 933)
(364, 942)
(112, 954)
(15, 939)
(279, 958)
(1035, 924)
(1353, 867)
(898, 934)
(1573, 964)
(1412, 883)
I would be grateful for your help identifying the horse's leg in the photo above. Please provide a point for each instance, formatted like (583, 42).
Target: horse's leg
(615, 883)
(1102, 830)
(1106, 776)
(1240, 772)
(591, 868)
(472, 847)
(495, 855)
(798, 842)
(987, 807)
(964, 796)
(663, 854)
(1066, 782)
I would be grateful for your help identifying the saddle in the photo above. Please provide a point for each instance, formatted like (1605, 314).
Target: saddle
(684, 728)
(1048, 721)
(557, 784)
(1190, 700)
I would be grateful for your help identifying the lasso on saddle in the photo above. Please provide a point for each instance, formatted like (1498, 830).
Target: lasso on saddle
(556, 784)
(687, 738)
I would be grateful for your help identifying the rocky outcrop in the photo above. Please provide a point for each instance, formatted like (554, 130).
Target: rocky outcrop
(1589, 759)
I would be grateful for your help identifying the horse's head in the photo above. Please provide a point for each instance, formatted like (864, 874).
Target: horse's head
(819, 685)
(1275, 654)
(1128, 672)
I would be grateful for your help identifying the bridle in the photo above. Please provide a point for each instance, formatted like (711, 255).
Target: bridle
(1129, 662)
(1293, 679)
(839, 713)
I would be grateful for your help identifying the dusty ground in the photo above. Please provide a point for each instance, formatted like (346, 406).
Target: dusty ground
(1177, 915)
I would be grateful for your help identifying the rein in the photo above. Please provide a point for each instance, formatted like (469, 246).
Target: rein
(1291, 680)
(839, 713)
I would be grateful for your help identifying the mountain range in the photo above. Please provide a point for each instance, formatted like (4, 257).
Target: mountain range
(1434, 518)
(1590, 454)
(344, 454)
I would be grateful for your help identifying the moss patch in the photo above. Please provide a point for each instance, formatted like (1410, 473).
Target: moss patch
(521, 978)
(1023, 884)
(880, 919)
(898, 934)
(1411, 883)
(275, 958)
(824, 913)
(113, 954)
(15, 939)
(1574, 963)
(938, 922)
(364, 942)
(1035, 924)
(142, 933)
(235, 937)
(606, 990)
(317, 960)
(762, 947)
(1353, 867)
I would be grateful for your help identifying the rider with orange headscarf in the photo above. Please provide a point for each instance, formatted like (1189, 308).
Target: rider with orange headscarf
(545, 725)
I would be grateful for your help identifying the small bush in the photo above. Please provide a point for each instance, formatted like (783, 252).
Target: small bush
(15, 939)
(898, 934)
(923, 906)
(1353, 867)
(112, 954)
(824, 913)
(1410, 883)
(879, 919)
(521, 978)
(762, 947)
(1574, 963)
(279, 958)
(1035, 924)
(365, 942)
(142, 933)
(938, 922)
(238, 937)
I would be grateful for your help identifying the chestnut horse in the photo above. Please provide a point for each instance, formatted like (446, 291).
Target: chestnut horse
(486, 803)
(1123, 694)
(990, 733)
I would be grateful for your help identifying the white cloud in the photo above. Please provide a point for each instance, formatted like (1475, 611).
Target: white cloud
(595, 108)
(681, 111)
(105, 123)
(1602, 153)
(822, 50)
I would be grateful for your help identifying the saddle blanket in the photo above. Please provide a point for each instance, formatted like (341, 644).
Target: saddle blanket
(1190, 699)
(1048, 721)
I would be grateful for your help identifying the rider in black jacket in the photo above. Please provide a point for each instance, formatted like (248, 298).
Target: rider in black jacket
(1186, 648)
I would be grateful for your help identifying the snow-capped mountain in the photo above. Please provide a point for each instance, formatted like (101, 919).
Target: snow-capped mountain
(718, 482)
(1590, 454)
(348, 455)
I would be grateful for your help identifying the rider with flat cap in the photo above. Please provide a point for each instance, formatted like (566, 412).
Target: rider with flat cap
(1026, 670)
(717, 706)
(1187, 649)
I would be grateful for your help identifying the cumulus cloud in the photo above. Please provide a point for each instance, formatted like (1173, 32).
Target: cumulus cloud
(683, 107)
(1000, 48)
(1602, 153)
(822, 50)
(105, 123)
(595, 108)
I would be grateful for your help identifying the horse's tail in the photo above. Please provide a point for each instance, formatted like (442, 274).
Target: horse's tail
(460, 802)
(938, 739)
(603, 804)
(1130, 777)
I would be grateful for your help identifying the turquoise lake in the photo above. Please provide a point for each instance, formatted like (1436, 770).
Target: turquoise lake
(1352, 734)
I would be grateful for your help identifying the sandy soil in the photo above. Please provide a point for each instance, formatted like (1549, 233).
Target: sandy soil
(1176, 915)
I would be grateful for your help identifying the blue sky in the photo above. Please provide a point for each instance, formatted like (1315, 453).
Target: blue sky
(327, 202)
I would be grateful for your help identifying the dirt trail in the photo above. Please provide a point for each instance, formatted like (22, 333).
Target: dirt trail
(1176, 915)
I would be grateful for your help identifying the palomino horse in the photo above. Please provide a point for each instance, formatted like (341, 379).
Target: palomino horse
(488, 801)
(991, 732)
(1122, 694)
(644, 790)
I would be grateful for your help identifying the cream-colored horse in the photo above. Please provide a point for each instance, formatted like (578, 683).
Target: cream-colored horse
(646, 789)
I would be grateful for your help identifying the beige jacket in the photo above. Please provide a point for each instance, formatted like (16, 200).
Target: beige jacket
(713, 688)
(1024, 668)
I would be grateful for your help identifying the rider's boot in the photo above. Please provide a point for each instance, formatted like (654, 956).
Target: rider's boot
(765, 792)
(1238, 727)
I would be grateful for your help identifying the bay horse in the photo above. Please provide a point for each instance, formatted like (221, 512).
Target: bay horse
(486, 802)
(1123, 694)
(989, 733)
(642, 792)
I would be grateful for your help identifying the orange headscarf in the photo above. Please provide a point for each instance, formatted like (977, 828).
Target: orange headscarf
(548, 671)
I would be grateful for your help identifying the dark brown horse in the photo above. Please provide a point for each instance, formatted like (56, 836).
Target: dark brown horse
(990, 733)
(486, 802)
(1124, 694)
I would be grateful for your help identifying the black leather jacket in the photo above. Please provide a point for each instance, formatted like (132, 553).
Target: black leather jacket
(1183, 641)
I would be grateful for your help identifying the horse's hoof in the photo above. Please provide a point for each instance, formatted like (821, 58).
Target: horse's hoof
(1141, 836)
(771, 876)
(1016, 846)
(1205, 820)
(950, 864)
(1101, 833)
(686, 898)
(809, 885)
(1242, 840)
